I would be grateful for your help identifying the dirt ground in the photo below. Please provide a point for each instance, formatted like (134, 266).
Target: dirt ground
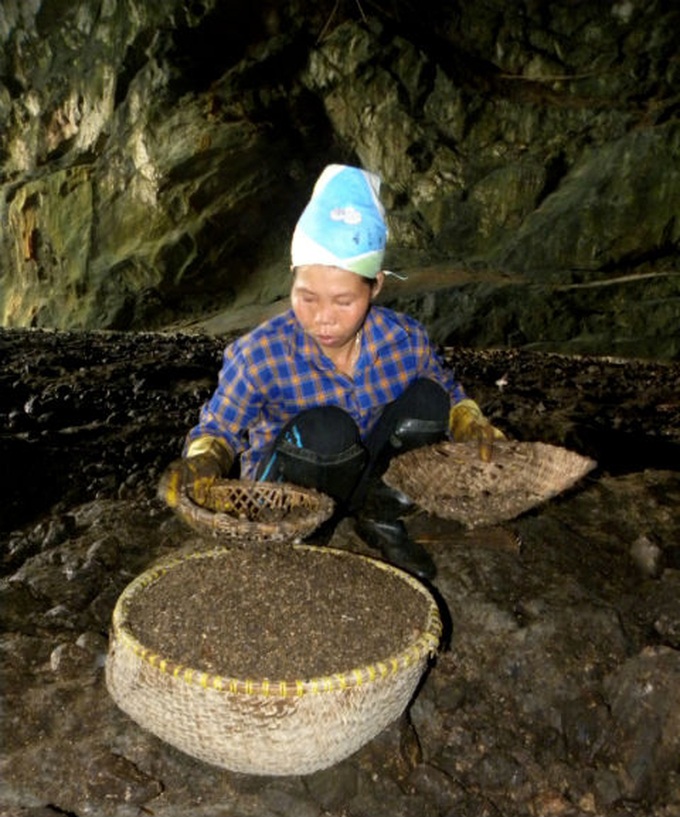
(557, 687)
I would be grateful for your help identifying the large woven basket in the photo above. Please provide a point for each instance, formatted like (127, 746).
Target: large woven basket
(268, 726)
(264, 511)
(451, 481)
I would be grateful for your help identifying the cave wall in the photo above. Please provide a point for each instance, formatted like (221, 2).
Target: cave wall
(154, 158)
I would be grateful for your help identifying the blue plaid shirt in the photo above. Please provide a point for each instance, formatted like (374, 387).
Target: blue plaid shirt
(276, 371)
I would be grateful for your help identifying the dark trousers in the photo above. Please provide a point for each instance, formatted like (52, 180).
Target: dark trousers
(321, 448)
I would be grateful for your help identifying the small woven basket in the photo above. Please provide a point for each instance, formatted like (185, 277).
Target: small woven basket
(271, 727)
(450, 480)
(263, 511)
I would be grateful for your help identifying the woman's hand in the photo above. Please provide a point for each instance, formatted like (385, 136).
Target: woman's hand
(206, 460)
(467, 423)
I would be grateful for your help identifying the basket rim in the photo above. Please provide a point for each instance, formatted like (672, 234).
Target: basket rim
(205, 517)
(250, 484)
(426, 644)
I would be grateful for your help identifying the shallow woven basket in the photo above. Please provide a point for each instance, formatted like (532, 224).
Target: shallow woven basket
(282, 727)
(451, 481)
(264, 511)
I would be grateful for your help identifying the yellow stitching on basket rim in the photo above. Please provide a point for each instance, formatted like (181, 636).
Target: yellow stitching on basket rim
(323, 684)
(432, 640)
(426, 644)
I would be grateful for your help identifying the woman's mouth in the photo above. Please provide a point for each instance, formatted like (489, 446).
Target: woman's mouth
(326, 340)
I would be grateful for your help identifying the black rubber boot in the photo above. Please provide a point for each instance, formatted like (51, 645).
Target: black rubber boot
(392, 540)
(379, 525)
(384, 501)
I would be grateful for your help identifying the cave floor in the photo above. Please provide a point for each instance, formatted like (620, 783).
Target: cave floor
(556, 690)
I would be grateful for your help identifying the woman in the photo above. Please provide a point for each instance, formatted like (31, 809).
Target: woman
(326, 393)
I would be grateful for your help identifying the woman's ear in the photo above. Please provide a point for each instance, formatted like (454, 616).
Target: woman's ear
(377, 284)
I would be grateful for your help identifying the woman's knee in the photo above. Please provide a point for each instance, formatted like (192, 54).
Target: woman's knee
(320, 448)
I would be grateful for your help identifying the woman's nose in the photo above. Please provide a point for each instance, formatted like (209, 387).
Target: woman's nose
(324, 315)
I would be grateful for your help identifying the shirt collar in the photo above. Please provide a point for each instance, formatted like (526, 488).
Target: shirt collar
(380, 332)
(300, 342)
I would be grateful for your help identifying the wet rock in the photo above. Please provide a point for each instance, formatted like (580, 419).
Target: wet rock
(65, 582)
(657, 607)
(643, 740)
(289, 797)
(104, 551)
(434, 783)
(116, 781)
(332, 788)
(95, 644)
(17, 607)
(61, 617)
(72, 660)
(647, 556)
(583, 721)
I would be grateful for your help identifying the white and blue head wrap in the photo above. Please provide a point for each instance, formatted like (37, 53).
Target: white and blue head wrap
(343, 225)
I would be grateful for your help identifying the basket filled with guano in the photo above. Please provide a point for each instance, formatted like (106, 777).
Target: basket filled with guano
(264, 511)
(277, 661)
(450, 479)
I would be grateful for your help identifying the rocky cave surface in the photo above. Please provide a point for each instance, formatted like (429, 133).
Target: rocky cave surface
(556, 691)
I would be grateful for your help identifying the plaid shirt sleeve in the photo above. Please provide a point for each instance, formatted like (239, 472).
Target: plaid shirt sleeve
(267, 377)
(235, 403)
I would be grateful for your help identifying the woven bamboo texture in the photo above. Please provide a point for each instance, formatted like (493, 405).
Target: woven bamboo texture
(451, 481)
(264, 511)
(282, 727)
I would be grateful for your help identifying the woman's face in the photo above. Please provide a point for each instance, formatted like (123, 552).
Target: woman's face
(331, 303)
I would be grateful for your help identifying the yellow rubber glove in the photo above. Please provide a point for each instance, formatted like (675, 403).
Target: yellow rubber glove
(206, 459)
(467, 424)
